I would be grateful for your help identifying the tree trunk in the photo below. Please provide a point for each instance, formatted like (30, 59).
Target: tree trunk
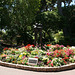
(51, 39)
(59, 7)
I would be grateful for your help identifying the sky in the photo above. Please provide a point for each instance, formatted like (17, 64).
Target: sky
(72, 3)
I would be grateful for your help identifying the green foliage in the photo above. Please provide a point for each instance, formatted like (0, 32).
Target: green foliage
(69, 24)
(16, 16)
(69, 12)
(58, 36)
(49, 19)
(51, 22)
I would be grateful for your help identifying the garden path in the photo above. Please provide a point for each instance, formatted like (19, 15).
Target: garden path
(13, 71)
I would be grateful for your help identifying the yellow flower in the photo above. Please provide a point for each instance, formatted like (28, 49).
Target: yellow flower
(20, 56)
(36, 52)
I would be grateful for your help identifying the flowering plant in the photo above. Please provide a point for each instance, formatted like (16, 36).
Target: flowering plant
(47, 55)
(56, 62)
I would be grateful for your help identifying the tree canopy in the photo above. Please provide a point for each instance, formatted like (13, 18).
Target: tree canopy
(18, 16)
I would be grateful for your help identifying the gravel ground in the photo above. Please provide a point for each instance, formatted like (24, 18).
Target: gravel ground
(13, 71)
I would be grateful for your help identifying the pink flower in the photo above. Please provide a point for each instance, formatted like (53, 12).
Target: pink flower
(74, 57)
(47, 50)
(44, 47)
(57, 45)
(4, 55)
(67, 53)
(22, 62)
(62, 45)
(23, 57)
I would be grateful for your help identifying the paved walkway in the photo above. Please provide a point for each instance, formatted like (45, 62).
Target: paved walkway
(13, 71)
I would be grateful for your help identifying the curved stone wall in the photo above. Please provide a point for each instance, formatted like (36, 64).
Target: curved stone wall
(43, 69)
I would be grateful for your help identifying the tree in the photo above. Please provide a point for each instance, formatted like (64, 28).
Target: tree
(59, 7)
(51, 18)
(21, 13)
(51, 21)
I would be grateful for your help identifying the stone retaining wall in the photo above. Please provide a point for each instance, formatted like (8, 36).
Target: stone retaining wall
(43, 69)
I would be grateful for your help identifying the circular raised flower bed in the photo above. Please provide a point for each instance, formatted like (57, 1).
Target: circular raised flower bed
(41, 69)
(50, 57)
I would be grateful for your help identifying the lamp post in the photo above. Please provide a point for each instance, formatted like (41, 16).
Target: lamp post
(38, 29)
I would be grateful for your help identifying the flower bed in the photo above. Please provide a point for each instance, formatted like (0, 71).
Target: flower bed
(47, 55)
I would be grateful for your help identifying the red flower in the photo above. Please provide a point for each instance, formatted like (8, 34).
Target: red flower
(66, 58)
(17, 49)
(58, 55)
(60, 52)
(56, 51)
(29, 45)
(65, 50)
(27, 63)
(48, 44)
(36, 57)
(5, 48)
(68, 45)
(48, 61)
(64, 61)
(48, 54)
(52, 64)
(26, 47)
(13, 61)
(33, 45)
